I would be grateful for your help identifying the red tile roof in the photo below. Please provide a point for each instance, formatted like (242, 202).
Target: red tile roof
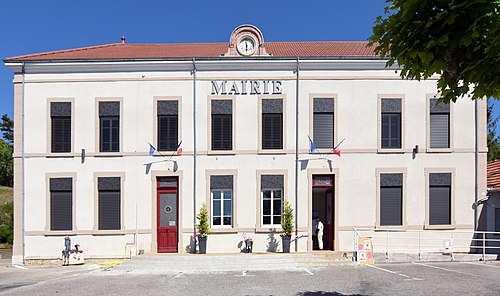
(493, 173)
(200, 50)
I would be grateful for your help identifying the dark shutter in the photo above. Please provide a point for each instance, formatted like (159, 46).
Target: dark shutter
(439, 205)
(221, 182)
(391, 199)
(60, 113)
(323, 130)
(272, 181)
(272, 131)
(167, 132)
(222, 132)
(391, 205)
(109, 108)
(61, 204)
(440, 131)
(109, 203)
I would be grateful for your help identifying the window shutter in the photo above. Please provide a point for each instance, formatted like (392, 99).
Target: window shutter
(272, 131)
(61, 203)
(109, 203)
(222, 132)
(167, 132)
(109, 210)
(61, 134)
(271, 181)
(439, 130)
(323, 130)
(221, 182)
(439, 205)
(391, 206)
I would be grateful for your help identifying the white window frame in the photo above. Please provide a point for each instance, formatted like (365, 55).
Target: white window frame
(221, 208)
(272, 205)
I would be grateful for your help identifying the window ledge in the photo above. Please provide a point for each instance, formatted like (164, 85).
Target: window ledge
(59, 232)
(439, 150)
(221, 152)
(109, 232)
(60, 155)
(223, 230)
(109, 154)
(390, 151)
(271, 151)
(439, 227)
(270, 229)
(390, 227)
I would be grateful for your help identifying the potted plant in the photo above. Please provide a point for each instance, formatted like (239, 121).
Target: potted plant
(203, 229)
(287, 226)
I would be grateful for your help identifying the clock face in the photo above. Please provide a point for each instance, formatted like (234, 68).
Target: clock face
(246, 46)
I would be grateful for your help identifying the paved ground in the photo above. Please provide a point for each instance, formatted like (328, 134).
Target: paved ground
(452, 278)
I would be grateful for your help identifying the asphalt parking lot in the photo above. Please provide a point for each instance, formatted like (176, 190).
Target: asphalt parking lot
(451, 278)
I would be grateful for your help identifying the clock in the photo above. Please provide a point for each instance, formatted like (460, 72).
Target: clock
(246, 46)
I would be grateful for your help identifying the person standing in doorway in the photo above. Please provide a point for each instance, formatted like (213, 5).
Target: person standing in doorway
(319, 233)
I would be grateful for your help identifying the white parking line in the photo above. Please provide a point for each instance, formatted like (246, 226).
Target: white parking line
(482, 264)
(20, 267)
(407, 278)
(446, 269)
(244, 273)
(308, 272)
(177, 276)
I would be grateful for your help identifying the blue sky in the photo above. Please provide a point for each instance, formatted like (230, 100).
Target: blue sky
(32, 26)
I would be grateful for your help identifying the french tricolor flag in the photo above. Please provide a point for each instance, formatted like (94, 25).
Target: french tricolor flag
(179, 148)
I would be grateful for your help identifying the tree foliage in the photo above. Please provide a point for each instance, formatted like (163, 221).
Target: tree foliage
(7, 128)
(7, 222)
(6, 164)
(493, 139)
(457, 39)
(203, 227)
(287, 220)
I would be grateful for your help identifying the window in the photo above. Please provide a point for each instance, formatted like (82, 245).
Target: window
(109, 122)
(497, 219)
(272, 199)
(391, 199)
(323, 133)
(221, 190)
(61, 203)
(391, 123)
(168, 125)
(60, 116)
(440, 199)
(109, 203)
(439, 124)
(272, 124)
(222, 124)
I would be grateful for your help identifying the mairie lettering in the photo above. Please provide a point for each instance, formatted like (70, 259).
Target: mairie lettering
(246, 87)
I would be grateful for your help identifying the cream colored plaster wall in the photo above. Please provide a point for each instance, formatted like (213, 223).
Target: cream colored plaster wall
(357, 94)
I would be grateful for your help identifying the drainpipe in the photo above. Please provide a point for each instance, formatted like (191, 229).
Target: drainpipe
(22, 163)
(476, 214)
(297, 156)
(194, 153)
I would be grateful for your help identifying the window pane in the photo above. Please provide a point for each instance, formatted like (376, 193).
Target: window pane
(216, 194)
(216, 221)
(227, 207)
(216, 209)
(227, 221)
(266, 194)
(228, 195)
(266, 220)
(276, 219)
(277, 207)
(277, 194)
(266, 205)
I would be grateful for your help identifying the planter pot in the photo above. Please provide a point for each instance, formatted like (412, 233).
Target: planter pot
(202, 244)
(286, 243)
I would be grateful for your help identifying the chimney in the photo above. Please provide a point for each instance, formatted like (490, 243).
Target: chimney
(123, 39)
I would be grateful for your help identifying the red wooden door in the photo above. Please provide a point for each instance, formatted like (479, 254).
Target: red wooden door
(167, 214)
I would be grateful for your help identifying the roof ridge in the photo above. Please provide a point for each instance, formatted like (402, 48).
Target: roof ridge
(61, 51)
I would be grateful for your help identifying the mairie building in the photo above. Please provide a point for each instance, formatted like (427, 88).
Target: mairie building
(119, 145)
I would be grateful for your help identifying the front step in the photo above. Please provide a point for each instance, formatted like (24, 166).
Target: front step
(234, 262)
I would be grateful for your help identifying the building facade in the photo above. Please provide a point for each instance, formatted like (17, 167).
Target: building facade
(245, 115)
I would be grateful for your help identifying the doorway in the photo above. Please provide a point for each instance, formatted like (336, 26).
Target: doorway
(167, 214)
(323, 208)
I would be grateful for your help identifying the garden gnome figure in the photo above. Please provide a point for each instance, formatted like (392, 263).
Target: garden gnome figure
(67, 247)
